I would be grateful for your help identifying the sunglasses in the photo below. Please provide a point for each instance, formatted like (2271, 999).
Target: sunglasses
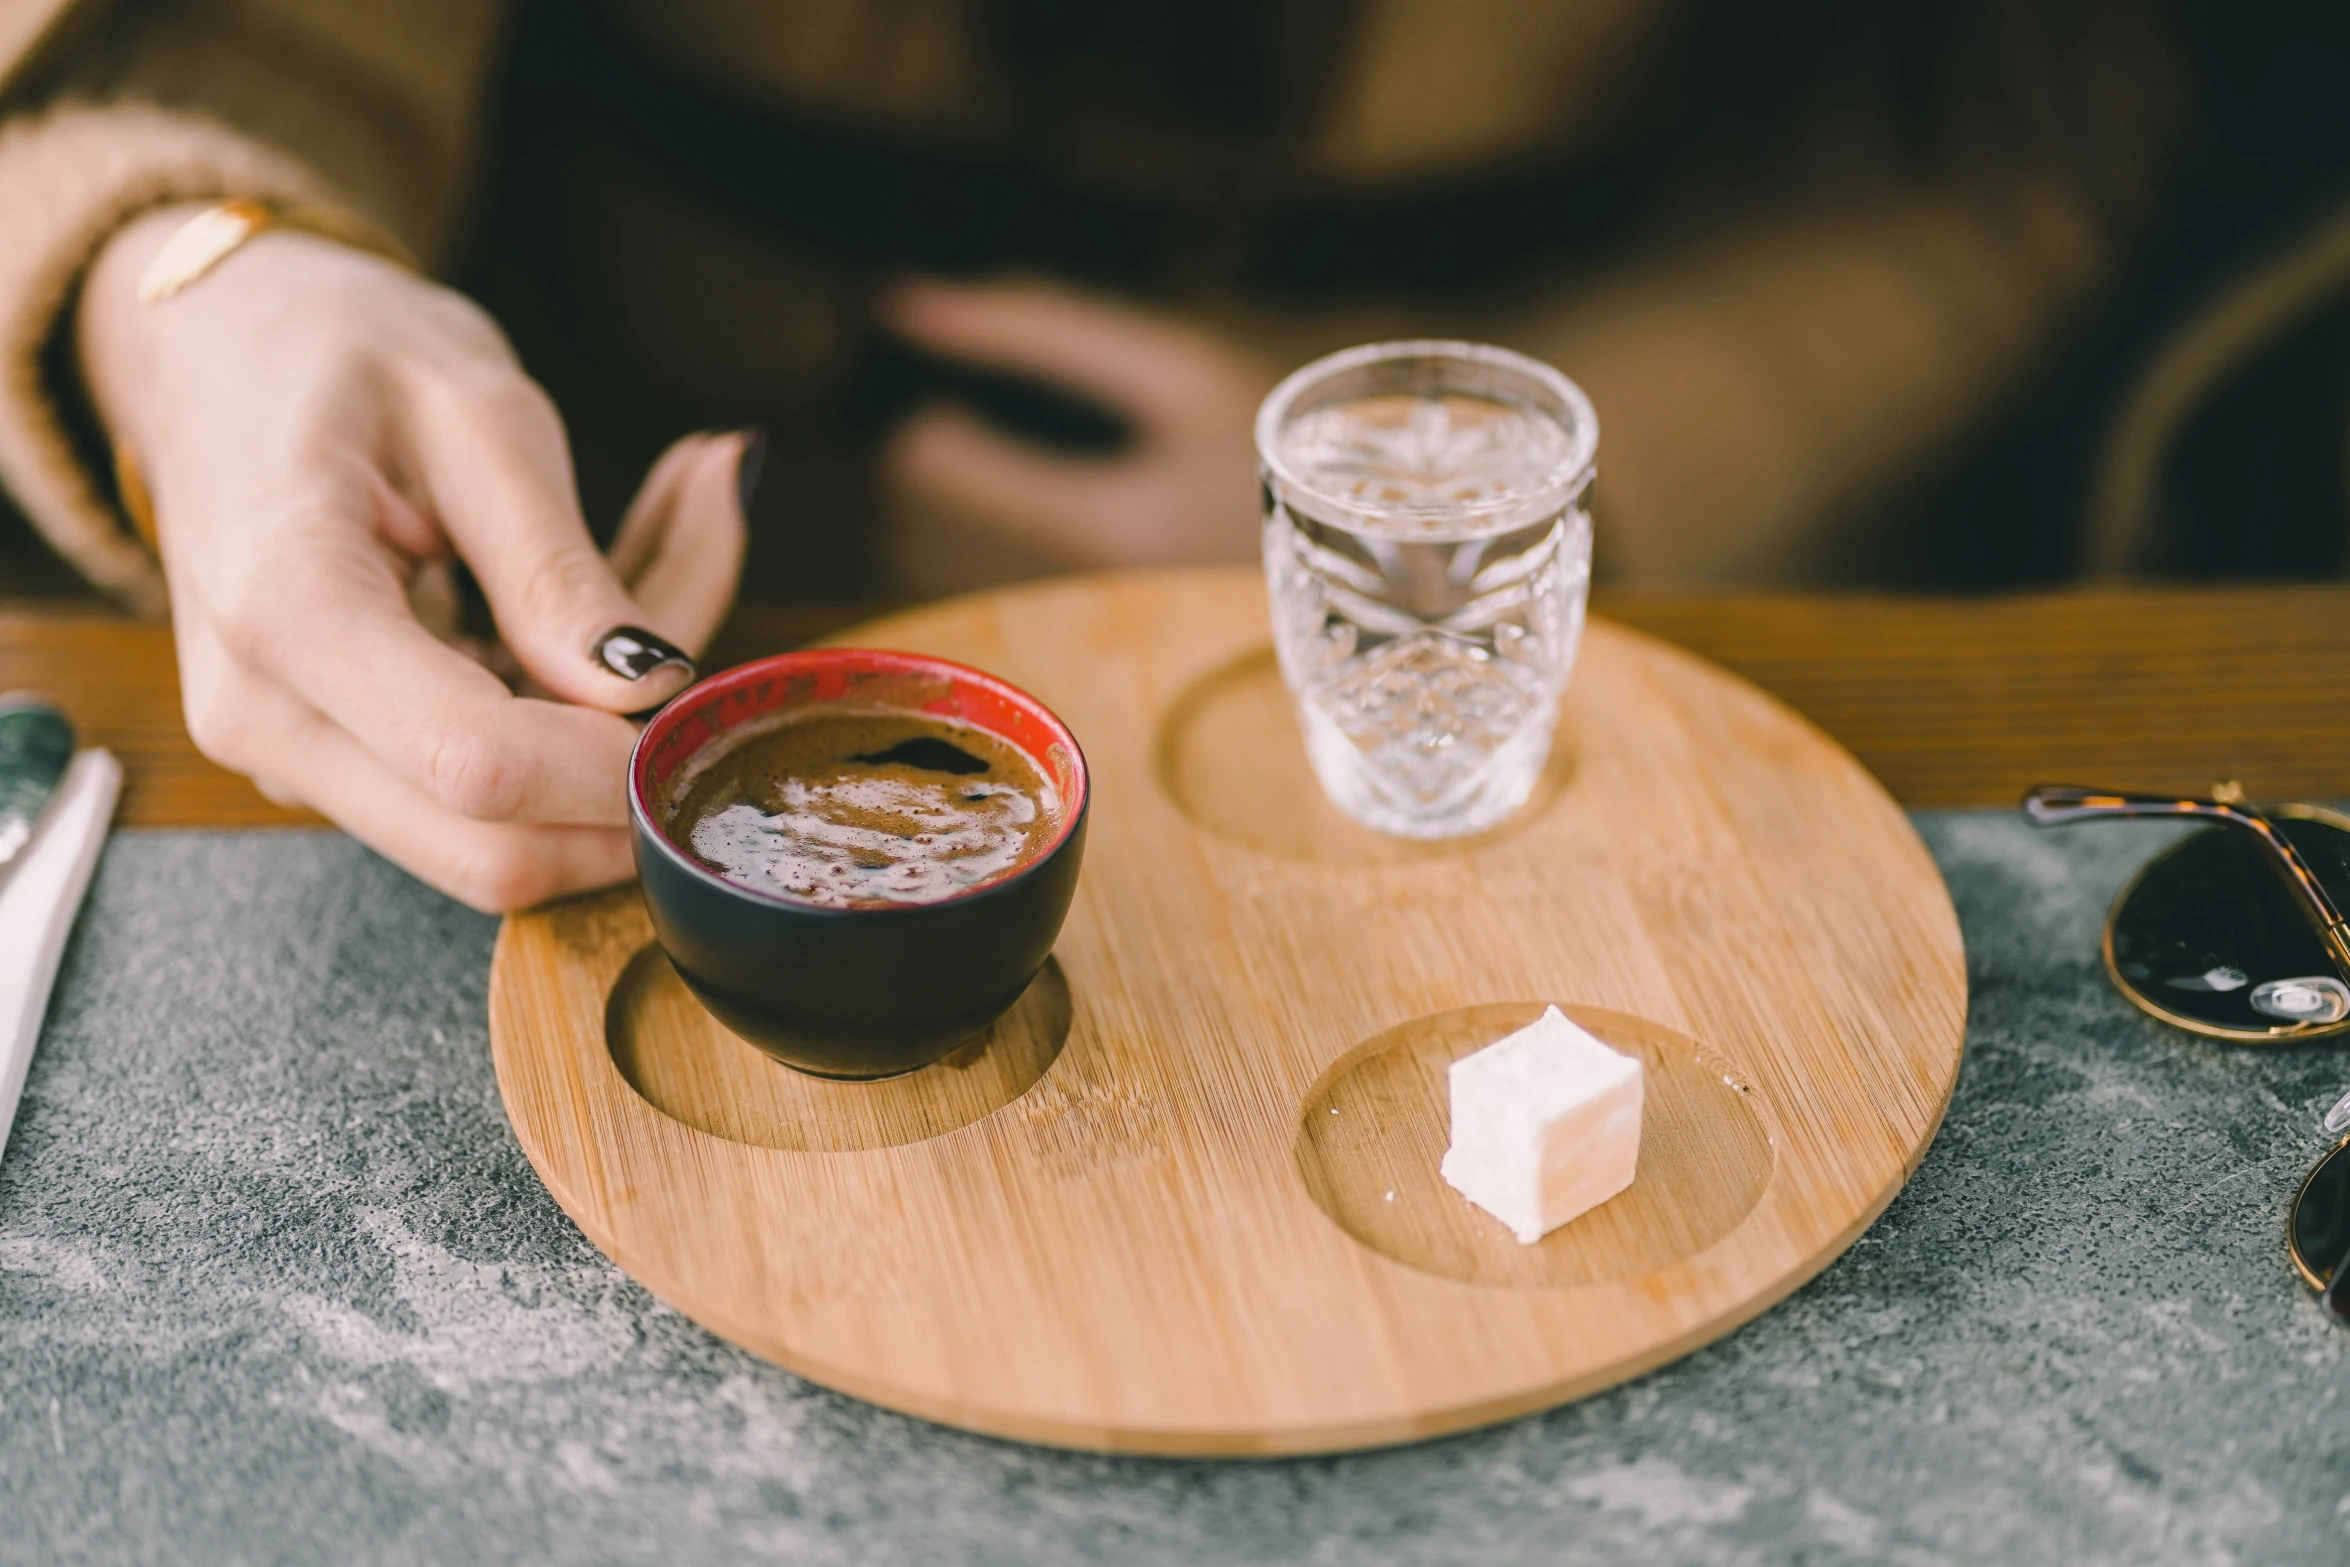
(2237, 933)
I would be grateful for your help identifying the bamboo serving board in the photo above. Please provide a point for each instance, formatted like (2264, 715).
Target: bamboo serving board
(1184, 1198)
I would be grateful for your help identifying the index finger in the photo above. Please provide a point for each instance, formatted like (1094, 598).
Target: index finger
(493, 455)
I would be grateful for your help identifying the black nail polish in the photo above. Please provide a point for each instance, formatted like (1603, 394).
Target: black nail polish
(631, 652)
(751, 466)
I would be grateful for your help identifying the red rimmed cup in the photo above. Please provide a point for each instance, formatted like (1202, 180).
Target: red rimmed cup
(858, 992)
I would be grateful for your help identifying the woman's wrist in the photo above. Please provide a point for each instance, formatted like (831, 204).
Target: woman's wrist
(170, 251)
(153, 316)
(114, 352)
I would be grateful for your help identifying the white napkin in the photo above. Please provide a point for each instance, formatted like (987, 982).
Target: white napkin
(37, 906)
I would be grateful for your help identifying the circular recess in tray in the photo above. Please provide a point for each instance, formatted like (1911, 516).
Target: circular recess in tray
(1375, 1125)
(692, 1069)
(1230, 755)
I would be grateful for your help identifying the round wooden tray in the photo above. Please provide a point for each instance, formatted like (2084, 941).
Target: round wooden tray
(1184, 1199)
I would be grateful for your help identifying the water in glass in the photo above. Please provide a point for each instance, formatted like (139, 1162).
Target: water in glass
(1427, 548)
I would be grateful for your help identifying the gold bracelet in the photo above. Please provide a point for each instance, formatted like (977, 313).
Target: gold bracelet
(221, 230)
(204, 242)
(130, 488)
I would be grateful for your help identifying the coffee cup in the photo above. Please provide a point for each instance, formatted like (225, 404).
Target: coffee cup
(865, 990)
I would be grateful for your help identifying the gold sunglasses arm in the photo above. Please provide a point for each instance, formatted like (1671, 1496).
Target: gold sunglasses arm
(2059, 805)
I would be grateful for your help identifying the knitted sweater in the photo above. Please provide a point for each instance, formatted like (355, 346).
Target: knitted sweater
(1758, 377)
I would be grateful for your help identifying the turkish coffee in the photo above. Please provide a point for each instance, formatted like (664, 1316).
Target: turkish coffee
(846, 809)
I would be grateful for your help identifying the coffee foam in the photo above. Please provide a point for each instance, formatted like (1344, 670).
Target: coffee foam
(784, 807)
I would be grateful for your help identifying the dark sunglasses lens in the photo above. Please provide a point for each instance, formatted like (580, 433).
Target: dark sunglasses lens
(2320, 1226)
(2210, 924)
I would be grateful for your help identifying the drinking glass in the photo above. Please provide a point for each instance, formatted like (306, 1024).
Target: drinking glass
(1427, 550)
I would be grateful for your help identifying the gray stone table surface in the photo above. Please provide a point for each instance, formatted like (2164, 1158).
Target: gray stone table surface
(277, 1285)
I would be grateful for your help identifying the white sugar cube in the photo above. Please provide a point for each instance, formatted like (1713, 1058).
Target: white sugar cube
(1545, 1125)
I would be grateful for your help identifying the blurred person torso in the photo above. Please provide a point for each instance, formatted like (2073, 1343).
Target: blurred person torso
(1800, 254)
(692, 200)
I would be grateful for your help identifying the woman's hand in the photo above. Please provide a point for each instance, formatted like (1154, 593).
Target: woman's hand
(1186, 487)
(320, 433)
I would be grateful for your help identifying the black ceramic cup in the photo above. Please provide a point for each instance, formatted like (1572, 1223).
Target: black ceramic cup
(853, 992)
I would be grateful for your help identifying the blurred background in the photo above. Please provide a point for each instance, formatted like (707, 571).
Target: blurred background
(1950, 293)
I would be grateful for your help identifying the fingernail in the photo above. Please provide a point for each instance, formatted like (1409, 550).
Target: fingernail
(631, 652)
(751, 466)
